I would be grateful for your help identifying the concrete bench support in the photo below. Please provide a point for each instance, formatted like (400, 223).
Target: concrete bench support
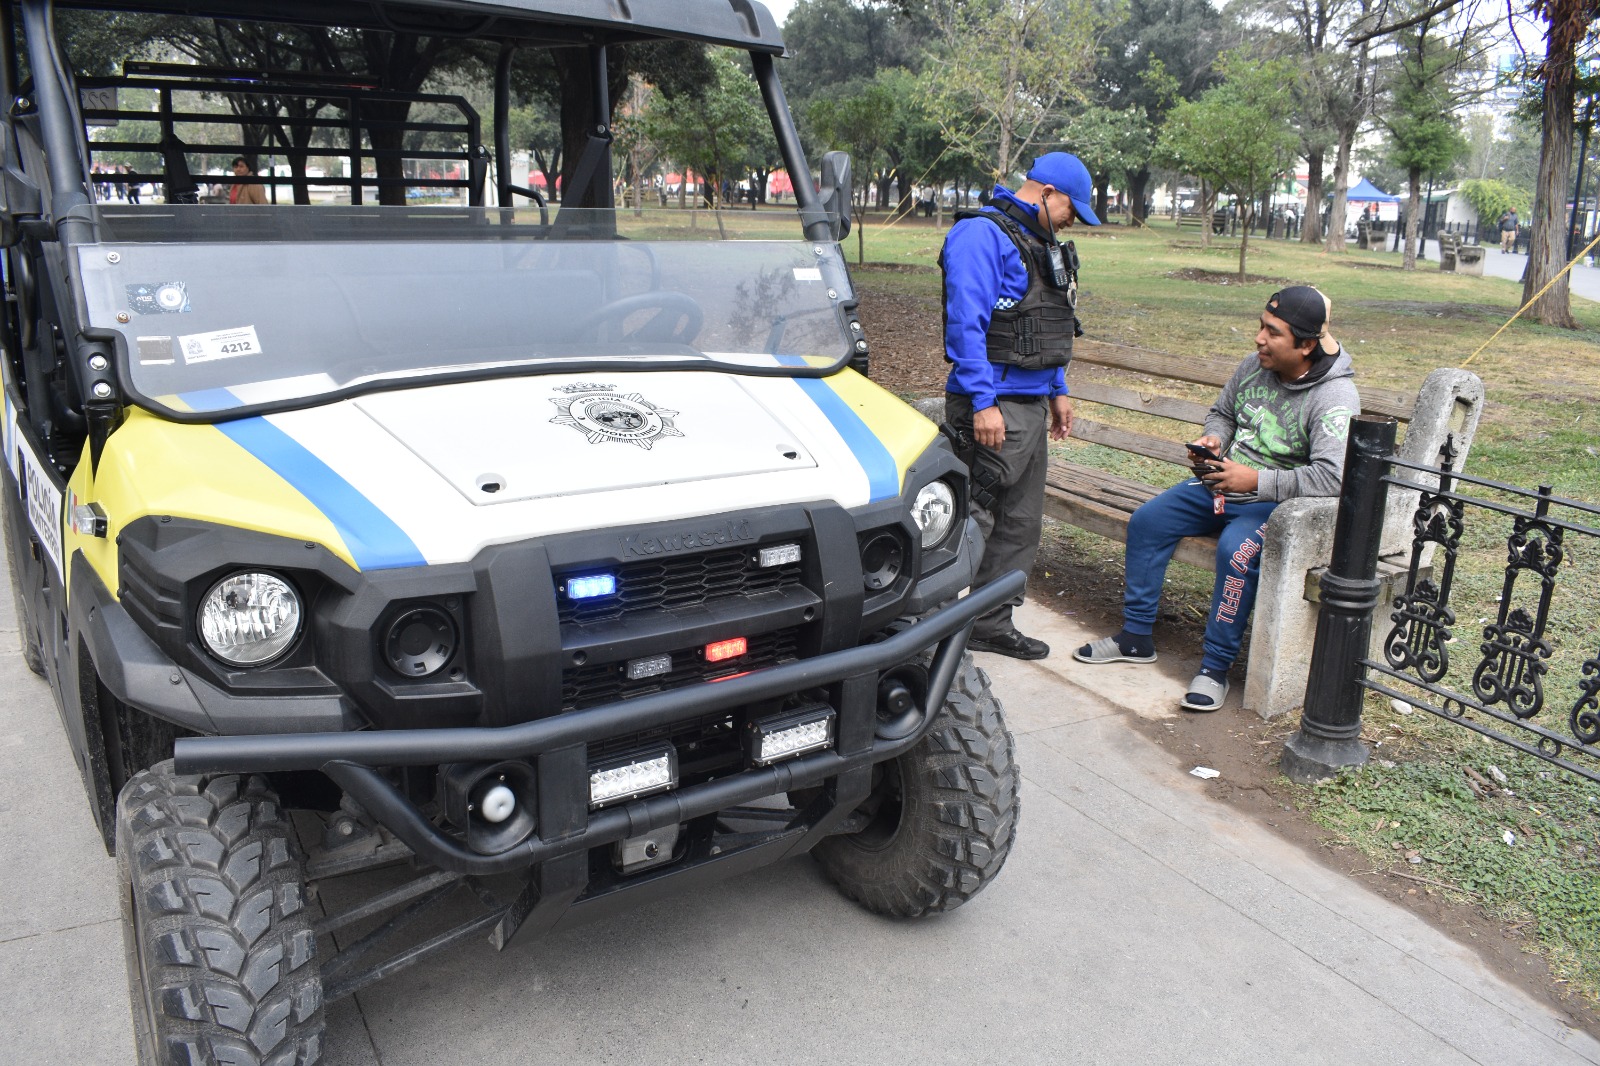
(1300, 539)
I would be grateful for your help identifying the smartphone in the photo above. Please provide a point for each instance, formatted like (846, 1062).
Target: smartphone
(1203, 452)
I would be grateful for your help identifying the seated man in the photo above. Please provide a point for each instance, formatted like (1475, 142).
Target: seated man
(1277, 431)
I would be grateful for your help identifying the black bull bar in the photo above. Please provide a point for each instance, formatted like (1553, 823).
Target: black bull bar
(349, 758)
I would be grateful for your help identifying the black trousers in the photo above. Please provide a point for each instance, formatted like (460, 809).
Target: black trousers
(1011, 528)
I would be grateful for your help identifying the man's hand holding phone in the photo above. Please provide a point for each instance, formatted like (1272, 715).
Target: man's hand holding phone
(1219, 474)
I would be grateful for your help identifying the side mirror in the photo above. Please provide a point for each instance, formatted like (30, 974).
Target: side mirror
(19, 198)
(836, 188)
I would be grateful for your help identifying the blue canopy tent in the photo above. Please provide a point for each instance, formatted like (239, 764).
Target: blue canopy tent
(1365, 192)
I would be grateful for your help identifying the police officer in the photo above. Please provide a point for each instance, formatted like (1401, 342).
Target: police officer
(1010, 313)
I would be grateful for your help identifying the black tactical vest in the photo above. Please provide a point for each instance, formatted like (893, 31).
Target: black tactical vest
(1036, 333)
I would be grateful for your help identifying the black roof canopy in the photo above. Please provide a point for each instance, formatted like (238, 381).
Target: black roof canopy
(745, 24)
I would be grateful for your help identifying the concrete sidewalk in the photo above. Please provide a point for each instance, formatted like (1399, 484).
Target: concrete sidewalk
(1138, 920)
(1584, 279)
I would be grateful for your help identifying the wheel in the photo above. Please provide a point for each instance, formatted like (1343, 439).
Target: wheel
(221, 951)
(941, 817)
(677, 319)
(32, 653)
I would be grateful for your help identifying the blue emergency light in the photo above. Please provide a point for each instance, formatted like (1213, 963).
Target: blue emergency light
(591, 585)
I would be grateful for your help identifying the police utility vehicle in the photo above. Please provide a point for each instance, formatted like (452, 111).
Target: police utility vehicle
(525, 548)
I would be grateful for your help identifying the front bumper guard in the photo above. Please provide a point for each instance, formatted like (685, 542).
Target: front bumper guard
(349, 758)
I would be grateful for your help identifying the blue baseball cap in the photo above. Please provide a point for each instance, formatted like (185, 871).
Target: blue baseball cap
(1068, 174)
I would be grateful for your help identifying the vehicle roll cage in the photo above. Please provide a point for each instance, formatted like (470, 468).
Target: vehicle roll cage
(166, 79)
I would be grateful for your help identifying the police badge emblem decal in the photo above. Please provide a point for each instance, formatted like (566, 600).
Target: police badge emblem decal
(602, 414)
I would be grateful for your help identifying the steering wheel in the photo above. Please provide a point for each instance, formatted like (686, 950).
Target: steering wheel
(677, 317)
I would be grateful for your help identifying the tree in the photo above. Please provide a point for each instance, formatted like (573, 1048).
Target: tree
(1491, 198)
(1161, 52)
(1003, 69)
(1327, 88)
(1423, 132)
(532, 126)
(832, 42)
(1111, 144)
(859, 118)
(1236, 135)
(714, 132)
(1568, 22)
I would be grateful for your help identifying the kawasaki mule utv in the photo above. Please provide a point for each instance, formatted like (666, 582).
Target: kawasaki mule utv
(567, 562)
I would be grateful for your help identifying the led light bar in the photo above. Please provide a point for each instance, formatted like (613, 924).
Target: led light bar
(649, 666)
(785, 736)
(591, 585)
(732, 648)
(778, 555)
(641, 774)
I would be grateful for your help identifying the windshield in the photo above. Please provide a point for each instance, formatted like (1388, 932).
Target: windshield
(216, 310)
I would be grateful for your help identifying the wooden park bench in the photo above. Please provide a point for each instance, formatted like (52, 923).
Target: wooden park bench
(1299, 538)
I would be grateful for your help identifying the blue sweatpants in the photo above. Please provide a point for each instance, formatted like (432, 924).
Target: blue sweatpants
(1185, 510)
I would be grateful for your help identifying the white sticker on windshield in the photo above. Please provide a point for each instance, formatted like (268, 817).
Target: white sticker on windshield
(807, 274)
(220, 344)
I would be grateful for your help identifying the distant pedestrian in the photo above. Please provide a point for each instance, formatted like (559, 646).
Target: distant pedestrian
(242, 192)
(1508, 231)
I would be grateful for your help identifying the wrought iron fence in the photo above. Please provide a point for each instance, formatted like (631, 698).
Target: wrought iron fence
(1506, 698)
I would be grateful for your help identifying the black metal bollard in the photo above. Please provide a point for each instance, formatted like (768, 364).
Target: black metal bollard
(1330, 725)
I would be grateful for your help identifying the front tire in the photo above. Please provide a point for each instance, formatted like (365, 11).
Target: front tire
(941, 818)
(221, 950)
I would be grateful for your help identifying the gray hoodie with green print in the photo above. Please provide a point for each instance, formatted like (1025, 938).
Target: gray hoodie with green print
(1292, 432)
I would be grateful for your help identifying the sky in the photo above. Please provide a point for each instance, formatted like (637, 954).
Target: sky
(779, 8)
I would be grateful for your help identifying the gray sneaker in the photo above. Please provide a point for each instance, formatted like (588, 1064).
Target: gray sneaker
(1106, 650)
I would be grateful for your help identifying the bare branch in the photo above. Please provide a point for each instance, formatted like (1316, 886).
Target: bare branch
(1437, 8)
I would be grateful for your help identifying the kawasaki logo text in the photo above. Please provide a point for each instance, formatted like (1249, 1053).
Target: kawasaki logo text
(726, 533)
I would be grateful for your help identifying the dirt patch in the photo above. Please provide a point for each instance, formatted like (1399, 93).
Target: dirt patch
(858, 269)
(1419, 309)
(1085, 579)
(1223, 277)
(1363, 264)
(905, 333)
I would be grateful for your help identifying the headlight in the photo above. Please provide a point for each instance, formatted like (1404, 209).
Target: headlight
(248, 619)
(934, 512)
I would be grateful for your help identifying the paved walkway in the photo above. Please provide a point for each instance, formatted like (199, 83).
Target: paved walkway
(1497, 264)
(1137, 921)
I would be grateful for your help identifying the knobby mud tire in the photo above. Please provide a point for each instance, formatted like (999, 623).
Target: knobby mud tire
(957, 812)
(221, 949)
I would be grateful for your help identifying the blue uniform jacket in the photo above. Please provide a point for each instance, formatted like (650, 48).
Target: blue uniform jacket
(983, 271)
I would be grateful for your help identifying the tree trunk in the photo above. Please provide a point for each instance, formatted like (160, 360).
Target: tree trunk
(1547, 245)
(1334, 242)
(1244, 240)
(1208, 208)
(1311, 222)
(1138, 186)
(1100, 185)
(1413, 206)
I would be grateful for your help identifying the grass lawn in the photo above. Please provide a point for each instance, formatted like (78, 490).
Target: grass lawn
(1416, 808)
